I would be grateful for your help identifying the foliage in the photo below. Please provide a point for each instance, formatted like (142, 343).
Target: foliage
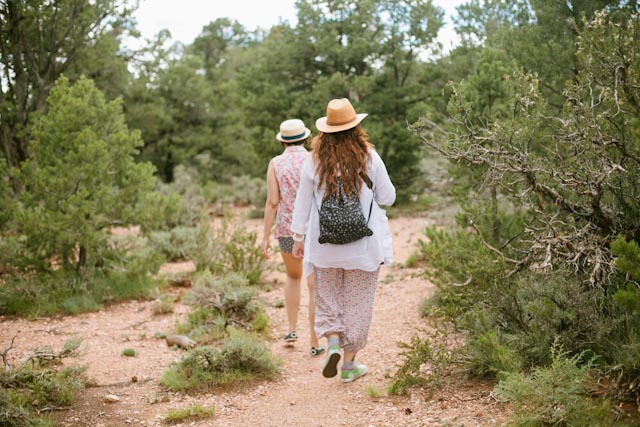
(36, 384)
(241, 357)
(238, 252)
(66, 217)
(221, 303)
(63, 292)
(367, 51)
(514, 319)
(181, 203)
(196, 411)
(372, 392)
(241, 190)
(163, 304)
(178, 244)
(129, 352)
(555, 395)
(628, 257)
(545, 250)
(185, 114)
(574, 191)
(486, 356)
(85, 36)
(425, 361)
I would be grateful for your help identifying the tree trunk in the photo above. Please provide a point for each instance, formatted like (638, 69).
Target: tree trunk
(82, 258)
(495, 221)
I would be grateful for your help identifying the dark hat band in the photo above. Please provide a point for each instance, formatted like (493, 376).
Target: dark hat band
(289, 138)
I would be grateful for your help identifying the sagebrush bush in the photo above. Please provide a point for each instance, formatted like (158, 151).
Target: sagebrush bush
(240, 357)
(177, 244)
(220, 302)
(236, 251)
(241, 190)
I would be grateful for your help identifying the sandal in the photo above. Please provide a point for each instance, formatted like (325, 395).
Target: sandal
(291, 337)
(316, 351)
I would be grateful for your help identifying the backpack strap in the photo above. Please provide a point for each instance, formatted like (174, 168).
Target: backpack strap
(369, 183)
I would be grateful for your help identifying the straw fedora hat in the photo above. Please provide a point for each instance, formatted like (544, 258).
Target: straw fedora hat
(292, 130)
(340, 116)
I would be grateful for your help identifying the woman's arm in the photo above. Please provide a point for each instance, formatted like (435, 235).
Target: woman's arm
(270, 208)
(385, 192)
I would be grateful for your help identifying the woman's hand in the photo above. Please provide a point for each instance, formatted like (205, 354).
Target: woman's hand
(298, 249)
(266, 248)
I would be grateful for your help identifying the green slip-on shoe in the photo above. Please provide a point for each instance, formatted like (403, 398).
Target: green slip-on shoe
(330, 369)
(353, 374)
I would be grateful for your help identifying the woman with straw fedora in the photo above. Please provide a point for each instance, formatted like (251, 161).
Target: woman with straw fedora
(283, 176)
(343, 165)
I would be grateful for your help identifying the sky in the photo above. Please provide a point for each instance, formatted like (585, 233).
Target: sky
(185, 18)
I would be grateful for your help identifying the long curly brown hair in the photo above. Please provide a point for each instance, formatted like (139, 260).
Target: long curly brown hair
(341, 154)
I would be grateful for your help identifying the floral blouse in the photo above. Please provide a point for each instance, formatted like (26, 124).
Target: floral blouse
(287, 167)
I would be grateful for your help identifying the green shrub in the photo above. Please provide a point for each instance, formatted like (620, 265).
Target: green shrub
(463, 269)
(129, 352)
(222, 302)
(241, 357)
(372, 392)
(36, 384)
(241, 254)
(81, 178)
(178, 244)
(231, 296)
(260, 323)
(556, 395)
(61, 291)
(242, 190)
(628, 256)
(486, 356)
(163, 304)
(196, 411)
(529, 311)
(424, 361)
(203, 325)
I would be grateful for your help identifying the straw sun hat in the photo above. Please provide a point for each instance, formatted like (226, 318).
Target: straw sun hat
(340, 116)
(292, 130)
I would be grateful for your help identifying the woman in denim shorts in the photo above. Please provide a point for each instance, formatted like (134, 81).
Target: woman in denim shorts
(283, 177)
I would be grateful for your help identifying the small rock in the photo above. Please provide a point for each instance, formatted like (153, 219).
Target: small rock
(111, 398)
(180, 341)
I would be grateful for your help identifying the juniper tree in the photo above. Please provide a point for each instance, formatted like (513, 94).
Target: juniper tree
(577, 173)
(81, 179)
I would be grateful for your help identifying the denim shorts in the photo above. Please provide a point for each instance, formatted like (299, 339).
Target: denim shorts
(285, 244)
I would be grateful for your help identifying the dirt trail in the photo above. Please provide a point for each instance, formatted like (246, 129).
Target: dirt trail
(300, 396)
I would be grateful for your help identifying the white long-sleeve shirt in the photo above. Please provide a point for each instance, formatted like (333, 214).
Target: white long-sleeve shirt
(364, 254)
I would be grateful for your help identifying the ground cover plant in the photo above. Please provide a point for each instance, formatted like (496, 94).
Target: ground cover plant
(240, 356)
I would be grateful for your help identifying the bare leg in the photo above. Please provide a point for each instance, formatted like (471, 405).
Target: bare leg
(311, 284)
(293, 266)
